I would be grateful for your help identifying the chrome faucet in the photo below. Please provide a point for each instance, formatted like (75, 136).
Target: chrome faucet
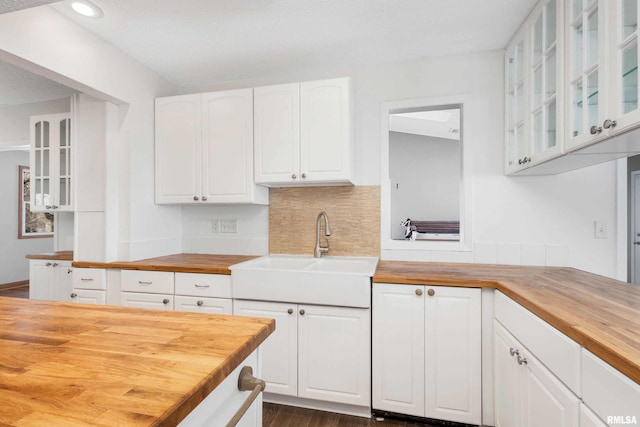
(319, 250)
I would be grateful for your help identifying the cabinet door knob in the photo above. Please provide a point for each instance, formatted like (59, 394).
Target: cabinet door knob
(519, 161)
(204, 198)
(290, 311)
(595, 130)
(294, 176)
(431, 292)
(54, 207)
(522, 360)
(513, 351)
(419, 292)
(47, 207)
(48, 264)
(301, 312)
(73, 295)
(304, 175)
(55, 264)
(200, 302)
(607, 124)
(196, 198)
(165, 301)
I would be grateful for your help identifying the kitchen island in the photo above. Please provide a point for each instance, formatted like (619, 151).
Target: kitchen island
(76, 364)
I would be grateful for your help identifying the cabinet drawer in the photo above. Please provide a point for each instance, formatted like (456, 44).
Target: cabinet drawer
(203, 285)
(608, 392)
(154, 282)
(556, 351)
(204, 305)
(157, 301)
(89, 278)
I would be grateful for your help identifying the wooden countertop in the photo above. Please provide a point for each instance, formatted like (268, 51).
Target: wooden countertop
(77, 364)
(600, 313)
(59, 256)
(193, 263)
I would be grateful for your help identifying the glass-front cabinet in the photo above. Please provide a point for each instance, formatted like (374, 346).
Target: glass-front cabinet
(50, 162)
(624, 57)
(534, 88)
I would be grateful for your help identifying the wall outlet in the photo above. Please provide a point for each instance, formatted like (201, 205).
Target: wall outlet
(215, 225)
(601, 230)
(228, 226)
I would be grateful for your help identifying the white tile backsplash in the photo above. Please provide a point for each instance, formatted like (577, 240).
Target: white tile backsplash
(557, 256)
(533, 254)
(485, 253)
(509, 253)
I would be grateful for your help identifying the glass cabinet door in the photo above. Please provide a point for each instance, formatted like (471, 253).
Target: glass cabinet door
(625, 99)
(586, 71)
(516, 150)
(40, 165)
(546, 58)
(64, 171)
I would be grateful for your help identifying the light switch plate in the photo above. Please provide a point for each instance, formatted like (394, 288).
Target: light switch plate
(228, 226)
(601, 230)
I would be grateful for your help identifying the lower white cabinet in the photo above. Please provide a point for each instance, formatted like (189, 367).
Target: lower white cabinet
(203, 304)
(316, 352)
(203, 293)
(158, 301)
(147, 289)
(89, 286)
(50, 279)
(427, 351)
(526, 392)
(588, 418)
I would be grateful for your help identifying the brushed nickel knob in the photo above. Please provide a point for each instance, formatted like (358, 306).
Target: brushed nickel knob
(520, 161)
(513, 351)
(204, 198)
(419, 292)
(47, 207)
(431, 292)
(290, 311)
(54, 207)
(301, 312)
(48, 264)
(595, 130)
(294, 176)
(165, 301)
(55, 264)
(200, 302)
(522, 360)
(607, 124)
(73, 295)
(304, 175)
(196, 198)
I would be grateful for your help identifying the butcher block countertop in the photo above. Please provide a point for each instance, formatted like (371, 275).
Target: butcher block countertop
(601, 314)
(58, 256)
(192, 263)
(77, 364)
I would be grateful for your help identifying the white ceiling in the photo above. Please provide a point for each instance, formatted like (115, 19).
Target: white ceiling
(195, 43)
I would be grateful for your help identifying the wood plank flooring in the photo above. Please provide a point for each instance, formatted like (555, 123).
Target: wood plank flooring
(280, 415)
(289, 416)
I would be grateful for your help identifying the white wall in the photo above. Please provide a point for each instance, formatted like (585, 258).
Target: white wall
(14, 120)
(69, 54)
(425, 179)
(14, 266)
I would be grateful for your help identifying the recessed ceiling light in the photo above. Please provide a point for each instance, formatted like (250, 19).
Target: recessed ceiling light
(86, 8)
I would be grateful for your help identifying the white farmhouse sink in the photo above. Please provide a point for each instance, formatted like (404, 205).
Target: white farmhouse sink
(330, 280)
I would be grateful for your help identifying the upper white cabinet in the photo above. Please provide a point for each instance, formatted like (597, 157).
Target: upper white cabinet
(204, 149)
(50, 160)
(303, 133)
(426, 348)
(534, 88)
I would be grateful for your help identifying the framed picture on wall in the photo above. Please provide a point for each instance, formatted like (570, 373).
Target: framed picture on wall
(30, 224)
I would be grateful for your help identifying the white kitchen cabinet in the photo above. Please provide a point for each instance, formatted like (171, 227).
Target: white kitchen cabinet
(147, 289)
(50, 160)
(203, 305)
(427, 351)
(50, 279)
(316, 352)
(588, 418)
(526, 392)
(204, 149)
(203, 293)
(89, 286)
(534, 88)
(303, 133)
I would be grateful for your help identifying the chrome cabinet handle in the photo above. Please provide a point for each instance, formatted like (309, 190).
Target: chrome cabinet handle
(144, 283)
(54, 207)
(290, 311)
(304, 175)
(301, 312)
(166, 301)
(47, 207)
(200, 302)
(513, 351)
(522, 360)
(595, 130)
(48, 264)
(431, 292)
(55, 264)
(196, 198)
(419, 292)
(202, 286)
(69, 271)
(607, 124)
(85, 279)
(73, 295)
(204, 198)
(294, 176)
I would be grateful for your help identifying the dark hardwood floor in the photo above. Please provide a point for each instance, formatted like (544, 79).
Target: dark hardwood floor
(17, 292)
(289, 416)
(280, 415)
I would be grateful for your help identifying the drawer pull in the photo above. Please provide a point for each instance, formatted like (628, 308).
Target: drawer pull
(166, 301)
(247, 382)
(144, 283)
(85, 279)
(200, 302)
(202, 286)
